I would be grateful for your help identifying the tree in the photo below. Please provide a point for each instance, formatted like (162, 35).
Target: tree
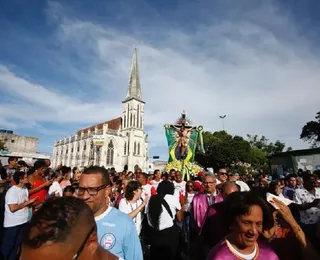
(234, 152)
(311, 132)
(223, 150)
(262, 143)
(2, 146)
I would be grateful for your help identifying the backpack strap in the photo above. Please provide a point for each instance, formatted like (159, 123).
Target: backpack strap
(167, 207)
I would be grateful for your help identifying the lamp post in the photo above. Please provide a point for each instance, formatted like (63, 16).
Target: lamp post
(222, 120)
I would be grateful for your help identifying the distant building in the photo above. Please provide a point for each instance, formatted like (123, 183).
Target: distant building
(23, 147)
(18, 143)
(157, 165)
(292, 161)
(116, 143)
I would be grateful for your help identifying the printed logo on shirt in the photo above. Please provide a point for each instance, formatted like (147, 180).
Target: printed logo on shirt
(108, 241)
(106, 224)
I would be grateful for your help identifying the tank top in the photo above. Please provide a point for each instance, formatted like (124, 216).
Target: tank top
(41, 194)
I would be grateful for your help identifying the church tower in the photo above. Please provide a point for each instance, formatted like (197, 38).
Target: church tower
(135, 145)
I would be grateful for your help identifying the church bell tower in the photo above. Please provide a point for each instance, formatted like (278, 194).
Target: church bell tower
(135, 147)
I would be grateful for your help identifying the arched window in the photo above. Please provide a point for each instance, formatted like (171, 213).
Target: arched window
(128, 147)
(135, 148)
(110, 153)
(84, 146)
(134, 120)
(124, 121)
(140, 121)
(130, 120)
(125, 148)
(138, 148)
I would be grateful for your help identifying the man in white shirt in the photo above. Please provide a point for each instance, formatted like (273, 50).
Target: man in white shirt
(16, 215)
(157, 179)
(147, 189)
(308, 200)
(179, 184)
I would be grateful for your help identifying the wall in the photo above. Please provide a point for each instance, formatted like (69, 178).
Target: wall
(17, 143)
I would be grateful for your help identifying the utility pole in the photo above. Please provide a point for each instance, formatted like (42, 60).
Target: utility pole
(222, 120)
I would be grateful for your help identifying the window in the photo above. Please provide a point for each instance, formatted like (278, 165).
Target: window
(110, 153)
(130, 120)
(128, 147)
(138, 116)
(138, 148)
(140, 121)
(125, 148)
(124, 121)
(85, 146)
(134, 120)
(12, 141)
(135, 148)
(72, 150)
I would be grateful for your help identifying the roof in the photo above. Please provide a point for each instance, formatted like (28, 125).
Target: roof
(134, 88)
(113, 124)
(303, 152)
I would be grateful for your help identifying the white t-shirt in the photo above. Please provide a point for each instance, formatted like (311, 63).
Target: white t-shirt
(16, 195)
(180, 187)
(55, 188)
(311, 215)
(165, 219)
(146, 191)
(127, 207)
(190, 197)
(250, 256)
(155, 183)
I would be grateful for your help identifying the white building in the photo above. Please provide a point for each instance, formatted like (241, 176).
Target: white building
(19, 143)
(157, 165)
(116, 143)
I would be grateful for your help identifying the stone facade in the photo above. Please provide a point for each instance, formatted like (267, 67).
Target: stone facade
(19, 143)
(124, 142)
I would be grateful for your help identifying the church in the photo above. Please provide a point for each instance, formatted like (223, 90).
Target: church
(120, 142)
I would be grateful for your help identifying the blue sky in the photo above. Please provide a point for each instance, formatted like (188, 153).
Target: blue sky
(65, 65)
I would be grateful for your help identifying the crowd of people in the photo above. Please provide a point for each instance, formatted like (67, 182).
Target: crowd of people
(98, 213)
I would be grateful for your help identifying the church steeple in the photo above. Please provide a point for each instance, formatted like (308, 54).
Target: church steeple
(134, 88)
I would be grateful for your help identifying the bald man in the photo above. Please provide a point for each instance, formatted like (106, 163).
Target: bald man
(213, 230)
(63, 228)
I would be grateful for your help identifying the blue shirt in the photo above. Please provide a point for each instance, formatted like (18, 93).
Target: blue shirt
(117, 233)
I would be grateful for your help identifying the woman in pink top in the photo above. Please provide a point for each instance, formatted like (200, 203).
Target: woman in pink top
(247, 216)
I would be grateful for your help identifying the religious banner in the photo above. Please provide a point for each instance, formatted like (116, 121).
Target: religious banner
(182, 141)
(98, 140)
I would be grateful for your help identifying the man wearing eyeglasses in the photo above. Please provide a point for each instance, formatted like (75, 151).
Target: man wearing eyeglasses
(64, 229)
(116, 230)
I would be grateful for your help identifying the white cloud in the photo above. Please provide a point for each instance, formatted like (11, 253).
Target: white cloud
(265, 82)
(38, 103)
